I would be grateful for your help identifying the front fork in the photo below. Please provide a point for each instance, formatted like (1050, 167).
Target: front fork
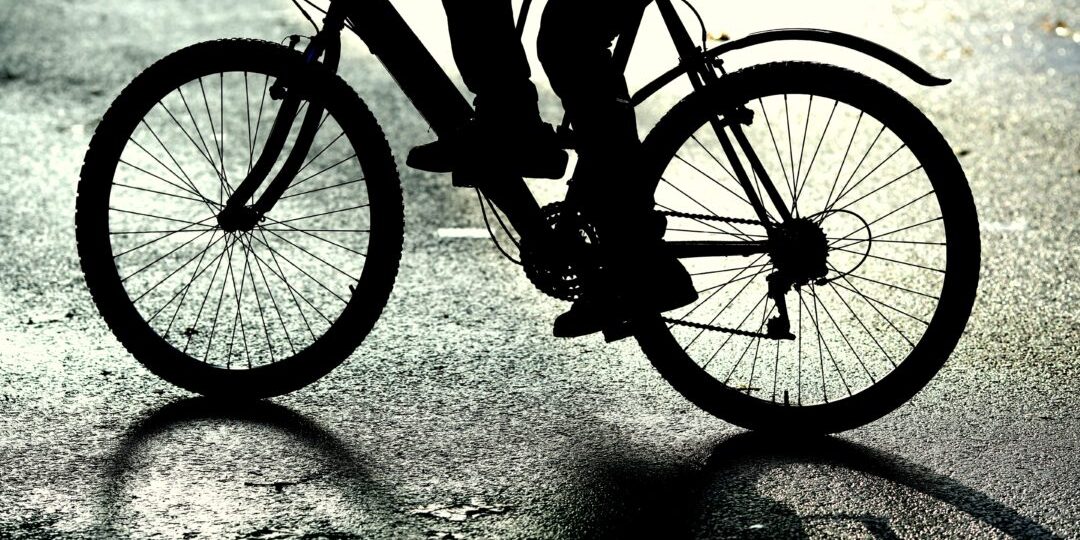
(238, 214)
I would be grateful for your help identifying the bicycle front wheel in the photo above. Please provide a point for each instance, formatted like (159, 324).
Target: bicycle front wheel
(250, 312)
(864, 170)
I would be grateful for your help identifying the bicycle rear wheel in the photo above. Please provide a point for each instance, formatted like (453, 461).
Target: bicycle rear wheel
(857, 164)
(241, 313)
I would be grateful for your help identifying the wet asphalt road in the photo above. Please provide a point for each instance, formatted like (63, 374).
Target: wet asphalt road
(461, 417)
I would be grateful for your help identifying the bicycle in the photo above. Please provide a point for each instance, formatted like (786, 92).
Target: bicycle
(828, 225)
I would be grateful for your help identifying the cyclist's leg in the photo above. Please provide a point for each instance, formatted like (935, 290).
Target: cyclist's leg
(574, 43)
(508, 131)
(574, 48)
(492, 60)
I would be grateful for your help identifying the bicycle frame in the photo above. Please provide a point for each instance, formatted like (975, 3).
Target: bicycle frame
(378, 24)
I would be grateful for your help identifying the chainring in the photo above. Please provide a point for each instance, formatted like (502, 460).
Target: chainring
(556, 262)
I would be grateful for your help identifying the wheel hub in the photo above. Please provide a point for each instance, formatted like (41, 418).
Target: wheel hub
(799, 251)
(241, 219)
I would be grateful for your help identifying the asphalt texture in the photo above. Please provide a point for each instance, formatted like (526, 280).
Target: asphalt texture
(460, 416)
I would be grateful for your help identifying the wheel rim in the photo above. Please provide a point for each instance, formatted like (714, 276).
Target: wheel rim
(239, 299)
(863, 186)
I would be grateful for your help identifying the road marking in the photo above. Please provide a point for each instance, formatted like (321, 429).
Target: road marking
(462, 232)
(1019, 225)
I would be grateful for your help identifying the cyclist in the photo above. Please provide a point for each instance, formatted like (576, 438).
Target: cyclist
(574, 48)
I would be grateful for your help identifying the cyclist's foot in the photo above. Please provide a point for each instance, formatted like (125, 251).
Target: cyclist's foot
(531, 152)
(662, 285)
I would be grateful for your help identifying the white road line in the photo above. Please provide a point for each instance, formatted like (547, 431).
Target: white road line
(1019, 225)
(462, 232)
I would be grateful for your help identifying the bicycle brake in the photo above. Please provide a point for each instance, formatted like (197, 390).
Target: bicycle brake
(278, 91)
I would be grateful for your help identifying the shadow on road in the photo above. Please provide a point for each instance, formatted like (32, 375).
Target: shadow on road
(615, 492)
(739, 450)
(722, 499)
(341, 467)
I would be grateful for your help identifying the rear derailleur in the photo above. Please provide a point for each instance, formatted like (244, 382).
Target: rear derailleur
(799, 252)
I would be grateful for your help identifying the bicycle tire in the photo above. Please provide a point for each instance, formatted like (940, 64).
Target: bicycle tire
(749, 406)
(99, 187)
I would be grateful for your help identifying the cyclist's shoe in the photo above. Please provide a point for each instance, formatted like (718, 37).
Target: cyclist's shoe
(660, 284)
(587, 316)
(533, 152)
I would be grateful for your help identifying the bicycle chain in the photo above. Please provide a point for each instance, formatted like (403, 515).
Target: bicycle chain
(709, 217)
(706, 217)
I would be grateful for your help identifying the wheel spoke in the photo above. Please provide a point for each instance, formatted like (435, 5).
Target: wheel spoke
(324, 149)
(843, 161)
(731, 335)
(206, 296)
(209, 204)
(189, 183)
(293, 291)
(879, 237)
(813, 159)
(204, 150)
(316, 175)
(171, 274)
(317, 237)
(205, 147)
(749, 280)
(343, 184)
(843, 190)
(868, 298)
(321, 214)
(159, 259)
(258, 300)
(888, 215)
(887, 259)
(844, 193)
(258, 123)
(776, 148)
(302, 271)
(187, 228)
(863, 325)
(847, 341)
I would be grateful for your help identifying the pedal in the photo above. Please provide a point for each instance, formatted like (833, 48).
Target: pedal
(463, 179)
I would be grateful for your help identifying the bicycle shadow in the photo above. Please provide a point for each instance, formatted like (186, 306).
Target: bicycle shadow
(342, 468)
(722, 498)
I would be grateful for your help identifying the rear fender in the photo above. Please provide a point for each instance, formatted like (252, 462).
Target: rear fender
(848, 41)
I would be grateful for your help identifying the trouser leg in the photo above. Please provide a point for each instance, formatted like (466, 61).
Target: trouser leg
(492, 61)
(574, 47)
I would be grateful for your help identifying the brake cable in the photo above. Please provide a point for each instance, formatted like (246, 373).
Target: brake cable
(701, 22)
(506, 229)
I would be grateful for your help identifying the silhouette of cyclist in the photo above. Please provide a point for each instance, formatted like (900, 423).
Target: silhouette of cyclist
(574, 47)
